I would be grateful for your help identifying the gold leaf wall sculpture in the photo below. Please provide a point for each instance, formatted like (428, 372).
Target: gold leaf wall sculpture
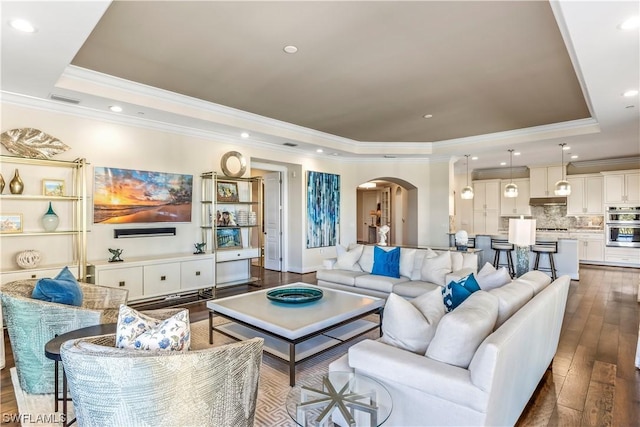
(32, 143)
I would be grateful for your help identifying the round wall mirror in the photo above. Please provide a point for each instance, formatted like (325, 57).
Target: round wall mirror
(233, 164)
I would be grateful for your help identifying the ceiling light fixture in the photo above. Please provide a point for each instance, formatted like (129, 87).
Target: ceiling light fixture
(427, 116)
(367, 185)
(630, 93)
(474, 158)
(290, 49)
(510, 190)
(319, 150)
(115, 109)
(563, 188)
(467, 192)
(245, 135)
(575, 156)
(631, 23)
(22, 25)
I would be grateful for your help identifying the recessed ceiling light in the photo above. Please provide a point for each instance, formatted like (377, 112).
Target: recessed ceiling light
(319, 150)
(630, 93)
(474, 158)
(427, 116)
(290, 49)
(566, 147)
(245, 135)
(22, 25)
(575, 156)
(631, 23)
(503, 163)
(115, 109)
(517, 153)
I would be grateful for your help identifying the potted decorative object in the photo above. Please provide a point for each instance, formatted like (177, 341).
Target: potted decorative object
(50, 219)
(28, 259)
(16, 186)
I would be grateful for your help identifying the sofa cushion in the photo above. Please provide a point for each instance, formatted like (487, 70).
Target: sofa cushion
(435, 269)
(366, 259)
(410, 325)
(490, 278)
(62, 289)
(536, 279)
(341, 277)
(460, 332)
(418, 259)
(414, 288)
(511, 297)
(348, 258)
(386, 262)
(456, 260)
(407, 258)
(457, 291)
(378, 283)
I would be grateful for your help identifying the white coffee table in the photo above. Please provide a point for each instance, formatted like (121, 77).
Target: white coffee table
(296, 332)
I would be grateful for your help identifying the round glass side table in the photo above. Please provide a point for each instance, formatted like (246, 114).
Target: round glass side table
(339, 398)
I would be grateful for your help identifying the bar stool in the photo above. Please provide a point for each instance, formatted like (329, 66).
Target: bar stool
(545, 248)
(500, 246)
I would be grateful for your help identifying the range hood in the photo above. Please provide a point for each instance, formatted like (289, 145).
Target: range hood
(548, 201)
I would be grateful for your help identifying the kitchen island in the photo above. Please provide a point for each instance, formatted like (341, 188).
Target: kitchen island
(566, 260)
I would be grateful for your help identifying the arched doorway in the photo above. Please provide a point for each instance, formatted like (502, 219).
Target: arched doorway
(392, 202)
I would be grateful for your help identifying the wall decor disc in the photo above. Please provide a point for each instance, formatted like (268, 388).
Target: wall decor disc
(240, 161)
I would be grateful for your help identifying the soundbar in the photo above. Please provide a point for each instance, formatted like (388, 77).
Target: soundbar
(120, 233)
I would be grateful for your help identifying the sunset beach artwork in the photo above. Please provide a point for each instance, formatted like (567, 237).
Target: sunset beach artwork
(123, 196)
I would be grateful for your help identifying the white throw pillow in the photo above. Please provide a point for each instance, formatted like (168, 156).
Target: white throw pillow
(418, 259)
(138, 331)
(366, 259)
(456, 261)
(462, 330)
(348, 258)
(434, 270)
(411, 325)
(407, 257)
(490, 278)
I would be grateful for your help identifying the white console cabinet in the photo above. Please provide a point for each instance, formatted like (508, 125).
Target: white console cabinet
(147, 278)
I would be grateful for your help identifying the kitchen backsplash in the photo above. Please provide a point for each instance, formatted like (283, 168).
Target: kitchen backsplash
(556, 217)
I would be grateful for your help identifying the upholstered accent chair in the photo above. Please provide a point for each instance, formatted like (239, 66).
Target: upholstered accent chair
(31, 323)
(216, 386)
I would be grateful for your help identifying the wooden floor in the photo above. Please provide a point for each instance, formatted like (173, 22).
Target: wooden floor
(593, 381)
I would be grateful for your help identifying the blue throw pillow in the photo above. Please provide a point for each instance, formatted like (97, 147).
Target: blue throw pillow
(62, 289)
(386, 263)
(456, 292)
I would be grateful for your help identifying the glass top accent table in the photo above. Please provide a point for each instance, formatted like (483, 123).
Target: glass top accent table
(342, 398)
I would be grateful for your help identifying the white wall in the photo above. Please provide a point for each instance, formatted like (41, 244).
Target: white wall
(110, 144)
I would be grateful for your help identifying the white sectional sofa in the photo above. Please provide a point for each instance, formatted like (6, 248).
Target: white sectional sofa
(421, 270)
(493, 381)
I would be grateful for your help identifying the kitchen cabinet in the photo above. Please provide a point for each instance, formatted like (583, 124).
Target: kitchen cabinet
(590, 247)
(486, 206)
(622, 187)
(517, 205)
(64, 246)
(543, 180)
(156, 277)
(586, 195)
(622, 256)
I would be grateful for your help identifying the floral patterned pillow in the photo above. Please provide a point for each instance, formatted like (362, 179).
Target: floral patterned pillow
(139, 331)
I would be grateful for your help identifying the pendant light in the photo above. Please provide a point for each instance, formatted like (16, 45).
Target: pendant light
(563, 188)
(467, 192)
(511, 190)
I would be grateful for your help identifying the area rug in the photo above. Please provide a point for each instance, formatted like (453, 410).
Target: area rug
(272, 392)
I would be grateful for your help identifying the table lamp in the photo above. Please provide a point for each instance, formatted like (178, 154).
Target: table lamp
(522, 234)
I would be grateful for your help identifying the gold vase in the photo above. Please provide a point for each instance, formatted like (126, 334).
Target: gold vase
(1, 183)
(16, 185)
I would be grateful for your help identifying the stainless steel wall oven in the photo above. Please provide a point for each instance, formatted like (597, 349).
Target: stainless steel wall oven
(623, 226)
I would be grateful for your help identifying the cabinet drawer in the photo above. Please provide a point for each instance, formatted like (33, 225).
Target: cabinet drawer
(196, 274)
(162, 278)
(623, 255)
(129, 278)
(234, 255)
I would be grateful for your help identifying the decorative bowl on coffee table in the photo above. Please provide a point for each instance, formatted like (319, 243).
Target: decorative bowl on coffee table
(294, 295)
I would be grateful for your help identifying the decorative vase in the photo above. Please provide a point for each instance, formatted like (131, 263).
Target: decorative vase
(28, 259)
(16, 185)
(50, 219)
(1, 183)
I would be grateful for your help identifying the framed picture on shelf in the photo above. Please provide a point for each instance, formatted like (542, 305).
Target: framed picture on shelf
(11, 223)
(53, 187)
(227, 192)
(228, 238)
